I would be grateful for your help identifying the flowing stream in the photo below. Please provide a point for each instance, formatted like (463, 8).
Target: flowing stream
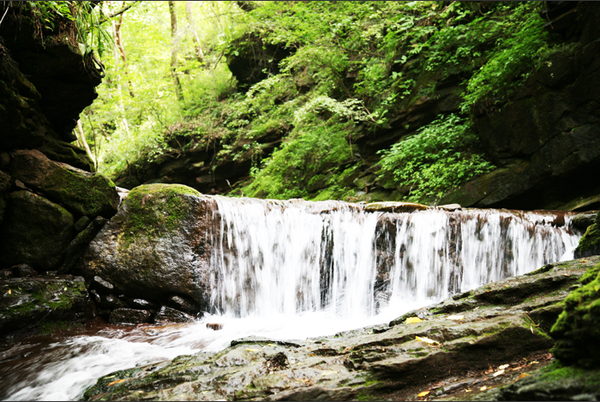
(296, 269)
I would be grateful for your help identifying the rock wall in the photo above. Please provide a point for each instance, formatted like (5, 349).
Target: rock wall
(51, 203)
(546, 141)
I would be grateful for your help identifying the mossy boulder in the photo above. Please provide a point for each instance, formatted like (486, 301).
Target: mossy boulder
(29, 303)
(83, 193)
(577, 329)
(589, 244)
(35, 231)
(155, 247)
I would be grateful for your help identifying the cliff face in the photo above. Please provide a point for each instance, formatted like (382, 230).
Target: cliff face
(51, 205)
(546, 140)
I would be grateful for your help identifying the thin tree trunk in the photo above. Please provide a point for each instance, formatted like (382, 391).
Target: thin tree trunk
(81, 139)
(119, 86)
(122, 53)
(174, 45)
(190, 18)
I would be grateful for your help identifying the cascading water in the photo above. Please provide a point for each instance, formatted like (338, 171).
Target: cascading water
(294, 269)
(292, 257)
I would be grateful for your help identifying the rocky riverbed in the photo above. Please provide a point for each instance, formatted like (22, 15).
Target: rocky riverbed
(492, 343)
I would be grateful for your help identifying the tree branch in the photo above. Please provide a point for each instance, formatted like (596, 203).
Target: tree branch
(106, 18)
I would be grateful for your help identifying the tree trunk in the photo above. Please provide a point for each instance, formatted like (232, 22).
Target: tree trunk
(174, 45)
(121, 49)
(81, 139)
(192, 28)
(116, 28)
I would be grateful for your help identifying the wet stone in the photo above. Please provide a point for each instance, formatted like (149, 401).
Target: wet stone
(6, 273)
(111, 301)
(23, 270)
(142, 304)
(95, 296)
(129, 316)
(168, 314)
(101, 285)
(182, 304)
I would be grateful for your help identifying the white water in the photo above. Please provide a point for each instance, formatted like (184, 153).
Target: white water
(295, 269)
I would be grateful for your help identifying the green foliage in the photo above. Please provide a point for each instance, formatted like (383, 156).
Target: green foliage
(137, 108)
(436, 159)
(59, 16)
(310, 150)
(515, 53)
(351, 63)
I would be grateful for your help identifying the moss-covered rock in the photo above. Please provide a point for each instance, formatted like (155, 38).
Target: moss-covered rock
(589, 244)
(577, 329)
(29, 303)
(36, 231)
(83, 193)
(155, 247)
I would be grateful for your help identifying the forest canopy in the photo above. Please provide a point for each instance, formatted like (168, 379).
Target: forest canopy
(292, 88)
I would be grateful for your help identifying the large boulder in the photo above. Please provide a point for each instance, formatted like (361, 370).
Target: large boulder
(155, 247)
(83, 193)
(35, 231)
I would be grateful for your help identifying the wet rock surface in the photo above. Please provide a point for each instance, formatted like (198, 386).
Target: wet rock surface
(590, 242)
(85, 193)
(36, 231)
(468, 347)
(29, 302)
(155, 247)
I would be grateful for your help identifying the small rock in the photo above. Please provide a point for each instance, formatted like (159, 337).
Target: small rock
(101, 285)
(6, 273)
(95, 296)
(142, 304)
(129, 316)
(168, 314)
(214, 327)
(450, 207)
(19, 184)
(23, 270)
(111, 301)
(182, 304)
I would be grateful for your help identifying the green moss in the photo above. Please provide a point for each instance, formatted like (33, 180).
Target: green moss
(155, 209)
(577, 329)
(556, 371)
(589, 244)
(56, 327)
(103, 384)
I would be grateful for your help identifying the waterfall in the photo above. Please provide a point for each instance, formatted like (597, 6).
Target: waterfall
(296, 269)
(292, 257)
